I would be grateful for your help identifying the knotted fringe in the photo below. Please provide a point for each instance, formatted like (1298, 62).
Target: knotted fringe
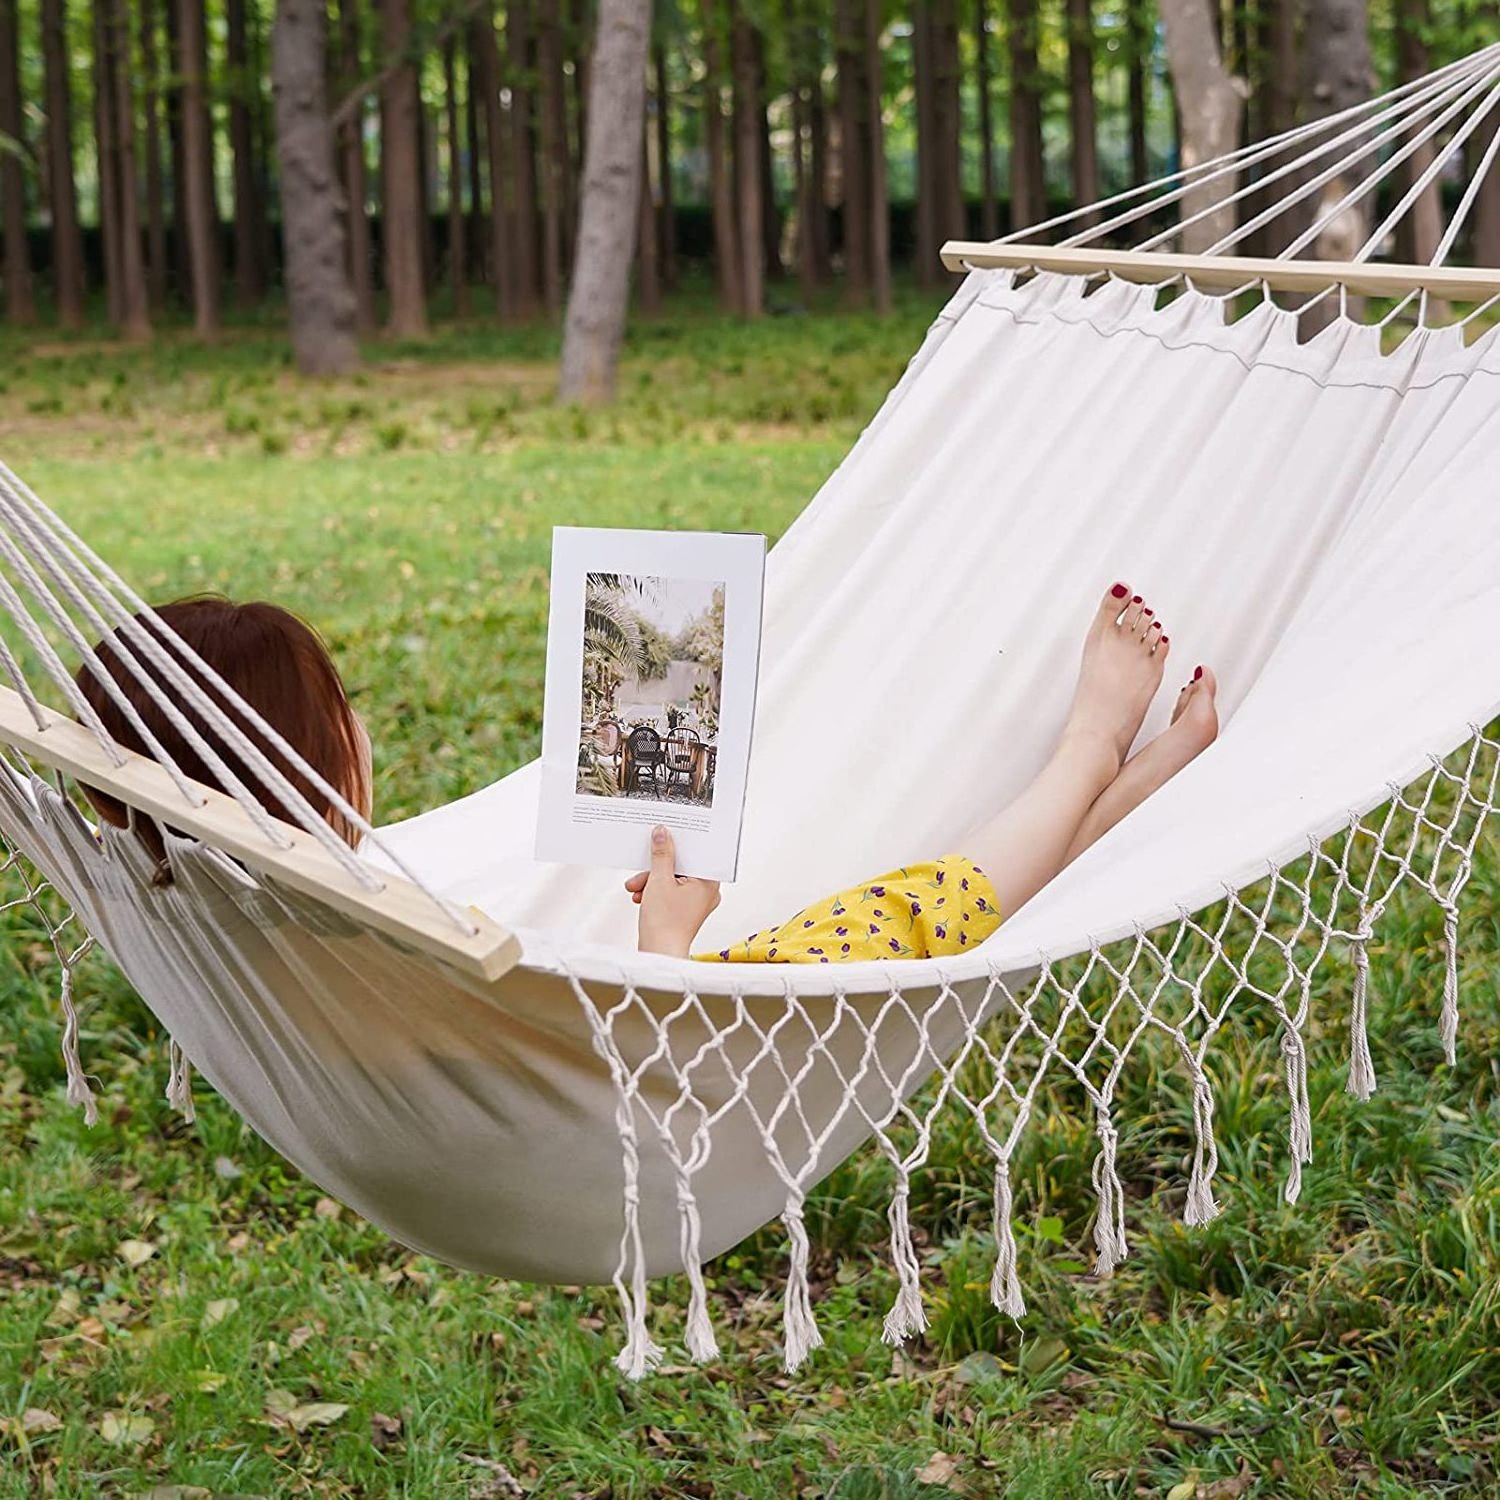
(699, 1333)
(1361, 1065)
(906, 1316)
(1448, 1022)
(1200, 1207)
(800, 1331)
(1300, 1126)
(641, 1354)
(180, 1083)
(1109, 1222)
(1005, 1283)
(79, 1092)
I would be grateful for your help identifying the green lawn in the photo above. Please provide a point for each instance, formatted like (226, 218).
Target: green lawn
(182, 1315)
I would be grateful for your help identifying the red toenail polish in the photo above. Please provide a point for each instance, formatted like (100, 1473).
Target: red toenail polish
(1135, 598)
(1197, 673)
(1119, 591)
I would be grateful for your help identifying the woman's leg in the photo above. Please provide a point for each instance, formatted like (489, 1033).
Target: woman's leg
(1195, 726)
(1025, 845)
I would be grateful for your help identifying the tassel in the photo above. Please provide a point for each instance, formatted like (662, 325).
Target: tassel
(800, 1330)
(180, 1083)
(1200, 1207)
(1448, 1022)
(641, 1354)
(80, 1095)
(1300, 1130)
(906, 1316)
(1109, 1223)
(1005, 1284)
(1361, 1065)
(702, 1346)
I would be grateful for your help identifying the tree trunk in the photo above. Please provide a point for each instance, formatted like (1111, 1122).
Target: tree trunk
(1209, 100)
(849, 54)
(156, 207)
(249, 272)
(1418, 232)
(135, 309)
(67, 239)
(770, 217)
(553, 106)
(1082, 111)
(473, 234)
(595, 324)
(320, 300)
(523, 219)
(747, 162)
(104, 157)
(879, 198)
(720, 184)
(817, 125)
(458, 275)
(1139, 43)
(351, 147)
(989, 203)
(20, 306)
(798, 30)
(924, 84)
(647, 264)
(198, 164)
(401, 171)
(487, 50)
(947, 124)
(1028, 187)
(666, 240)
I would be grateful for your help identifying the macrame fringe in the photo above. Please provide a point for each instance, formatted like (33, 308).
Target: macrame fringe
(1361, 1065)
(907, 1315)
(800, 1331)
(1005, 1284)
(641, 1353)
(698, 1335)
(1109, 1223)
(80, 1095)
(1448, 1022)
(1200, 1207)
(180, 1083)
(1294, 1054)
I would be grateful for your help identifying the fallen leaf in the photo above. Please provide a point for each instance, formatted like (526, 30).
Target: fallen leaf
(125, 1429)
(66, 1309)
(326, 1208)
(136, 1252)
(208, 1381)
(37, 1419)
(227, 1168)
(940, 1470)
(499, 1483)
(1041, 1354)
(237, 1242)
(1186, 1490)
(384, 1431)
(216, 1312)
(285, 1410)
(299, 1336)
(1228, 1489)
(974, 1368)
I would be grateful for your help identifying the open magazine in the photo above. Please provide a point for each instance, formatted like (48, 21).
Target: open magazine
(653, 651)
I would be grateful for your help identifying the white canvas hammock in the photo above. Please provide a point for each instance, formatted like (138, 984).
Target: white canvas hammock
(464, 1046)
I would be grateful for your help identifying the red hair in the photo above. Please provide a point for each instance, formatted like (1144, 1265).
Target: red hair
(279, 666)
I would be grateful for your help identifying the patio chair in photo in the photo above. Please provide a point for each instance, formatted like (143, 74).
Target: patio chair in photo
(681, 755)
(645, 755)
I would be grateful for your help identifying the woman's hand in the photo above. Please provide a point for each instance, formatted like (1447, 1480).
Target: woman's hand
(673, 907)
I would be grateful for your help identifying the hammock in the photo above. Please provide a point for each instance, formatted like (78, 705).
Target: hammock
(463, 1046)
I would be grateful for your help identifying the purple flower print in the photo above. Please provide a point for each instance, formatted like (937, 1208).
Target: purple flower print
(808, 922)
(877, 890)
(839, 909)
(963, 937)
(942, 875)
(846, 948)
(841, 931)
(916, 908)
(724, 954)
(940, 932)
(874, 927)
(814, 950)
(963, 885)
(895, 946)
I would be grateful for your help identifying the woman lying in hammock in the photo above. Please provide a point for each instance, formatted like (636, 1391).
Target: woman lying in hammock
(942, 906)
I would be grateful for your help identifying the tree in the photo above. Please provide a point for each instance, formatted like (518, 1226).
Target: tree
(1418, 232)
(105, 162)
(320, 299)
(457, 249)
(1082, 108)
(747, 160)
(1138, 44)
(595, 324)
(67, 238)
(1210, 101)
(849, 54)
(666, 209)
(135, 313)
(19, 305)
(156, 209)
(989, 205)
(198, 169)
(351, 147)
(244, 89)
(554, 149)
(720, 185)
(523, 215)
(1487, 206)
(879, 200)
(402, 206)
(1028, 186)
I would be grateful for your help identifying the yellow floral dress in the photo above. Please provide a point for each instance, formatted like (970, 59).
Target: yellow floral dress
(930, 910)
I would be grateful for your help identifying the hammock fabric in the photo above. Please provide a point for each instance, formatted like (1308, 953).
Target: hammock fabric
(1314, 520)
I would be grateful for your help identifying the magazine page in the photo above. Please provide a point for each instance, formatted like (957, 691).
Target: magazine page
(653, 651)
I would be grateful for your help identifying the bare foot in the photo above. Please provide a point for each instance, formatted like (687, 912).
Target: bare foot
(1194, 727)
(1124, 654)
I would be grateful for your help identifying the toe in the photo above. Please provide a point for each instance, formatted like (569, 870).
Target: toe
(1158, 640)
(1131, 620)
(1116, 600)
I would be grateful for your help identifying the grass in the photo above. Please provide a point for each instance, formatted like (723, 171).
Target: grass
(183, 1315)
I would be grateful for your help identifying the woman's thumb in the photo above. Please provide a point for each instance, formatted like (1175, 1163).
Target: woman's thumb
(663, 852)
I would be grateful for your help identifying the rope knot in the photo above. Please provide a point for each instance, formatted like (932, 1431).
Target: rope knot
(1291, 1046)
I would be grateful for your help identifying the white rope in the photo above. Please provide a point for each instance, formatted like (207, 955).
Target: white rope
(1466, 203)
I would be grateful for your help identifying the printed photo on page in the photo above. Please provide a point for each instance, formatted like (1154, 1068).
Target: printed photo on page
(653, 650)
